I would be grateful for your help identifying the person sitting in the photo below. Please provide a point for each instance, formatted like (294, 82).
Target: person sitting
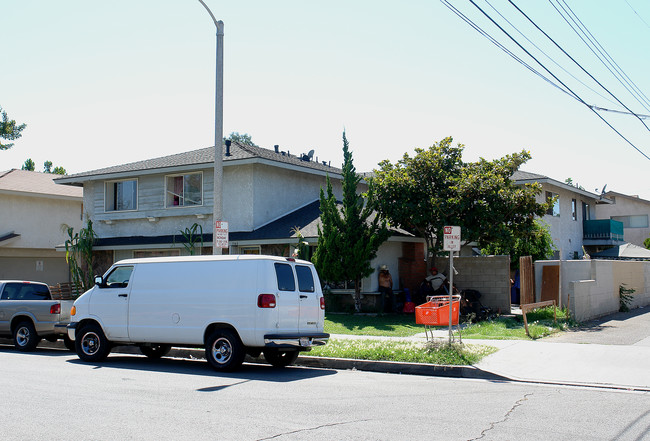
(386, 289)
(436, 280)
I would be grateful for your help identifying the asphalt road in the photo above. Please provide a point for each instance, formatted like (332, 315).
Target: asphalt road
(51, 395)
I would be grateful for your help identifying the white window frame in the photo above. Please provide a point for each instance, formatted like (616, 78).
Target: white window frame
(200, 173)
(116, 181)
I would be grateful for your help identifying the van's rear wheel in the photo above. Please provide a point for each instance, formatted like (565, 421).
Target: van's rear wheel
(224, 351)
(25, 337)
(155, 351)
(279, 358)
(91, 344)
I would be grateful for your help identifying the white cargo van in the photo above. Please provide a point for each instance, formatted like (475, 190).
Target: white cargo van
(231, 305)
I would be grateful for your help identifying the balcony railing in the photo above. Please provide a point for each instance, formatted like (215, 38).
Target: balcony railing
(602, 230)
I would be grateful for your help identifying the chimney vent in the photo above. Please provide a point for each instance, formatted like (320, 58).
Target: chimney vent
(277, 148)
(228, 142)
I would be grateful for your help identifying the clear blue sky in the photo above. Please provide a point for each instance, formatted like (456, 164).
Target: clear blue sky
(106, 83)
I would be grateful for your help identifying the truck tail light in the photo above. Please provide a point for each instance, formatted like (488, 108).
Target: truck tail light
(322, 303)
(266, 301)
(55, 309)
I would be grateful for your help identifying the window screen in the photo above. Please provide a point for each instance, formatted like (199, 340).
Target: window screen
(305, 279)
(284, 273)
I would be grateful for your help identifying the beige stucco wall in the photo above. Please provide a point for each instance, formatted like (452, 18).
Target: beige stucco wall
(38, 220)
(591, 287)
(627, 206)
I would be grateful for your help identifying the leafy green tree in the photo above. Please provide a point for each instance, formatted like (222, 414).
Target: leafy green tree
(29, 165)
(435, 188)
(349, 237)
(9, 130)
(536, 242)
(59, 171)
(47, 166)
(646, 243)
(244, 139)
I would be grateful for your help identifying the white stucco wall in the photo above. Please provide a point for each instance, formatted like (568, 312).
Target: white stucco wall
(567, 234)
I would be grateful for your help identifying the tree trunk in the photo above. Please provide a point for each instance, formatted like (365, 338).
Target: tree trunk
(357, 295)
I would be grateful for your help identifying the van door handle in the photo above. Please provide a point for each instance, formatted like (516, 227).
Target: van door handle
(302, 296)
(122, 295)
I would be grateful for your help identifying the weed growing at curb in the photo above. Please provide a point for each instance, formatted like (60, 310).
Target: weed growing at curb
(404, 351)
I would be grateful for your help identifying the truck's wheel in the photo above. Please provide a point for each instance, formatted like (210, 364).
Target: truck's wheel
(25, 337)
(279, 358)
(91, 343)
(155, 351)
(224, 351)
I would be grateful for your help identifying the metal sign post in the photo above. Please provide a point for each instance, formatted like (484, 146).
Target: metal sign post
(451, 244)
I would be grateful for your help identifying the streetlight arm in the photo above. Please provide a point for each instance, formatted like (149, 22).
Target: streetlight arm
(217, 23)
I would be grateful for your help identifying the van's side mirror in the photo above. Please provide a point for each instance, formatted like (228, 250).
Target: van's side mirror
(99, 281)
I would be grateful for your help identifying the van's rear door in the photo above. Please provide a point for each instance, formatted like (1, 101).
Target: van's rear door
(309, 301)
(288, 302)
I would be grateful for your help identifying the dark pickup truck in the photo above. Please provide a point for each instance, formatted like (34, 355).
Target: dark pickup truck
(28, 314)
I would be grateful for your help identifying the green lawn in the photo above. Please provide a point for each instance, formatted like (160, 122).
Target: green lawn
(540, 324)
(403, 351)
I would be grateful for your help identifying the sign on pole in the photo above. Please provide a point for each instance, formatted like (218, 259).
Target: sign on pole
(451, 244)
(452, 239)
(221, 234)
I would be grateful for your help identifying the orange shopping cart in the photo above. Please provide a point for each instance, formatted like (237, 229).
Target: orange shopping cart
(435, 312)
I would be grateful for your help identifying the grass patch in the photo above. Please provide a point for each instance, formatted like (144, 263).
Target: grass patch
(540, 324)
(384, 325)
(403, 351)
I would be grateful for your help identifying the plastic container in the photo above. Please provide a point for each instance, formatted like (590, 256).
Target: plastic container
(435, 312)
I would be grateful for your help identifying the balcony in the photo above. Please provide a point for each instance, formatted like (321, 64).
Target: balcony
(602, 232)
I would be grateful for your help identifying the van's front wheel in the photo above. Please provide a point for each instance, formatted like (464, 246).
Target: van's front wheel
(279, 358)
(91, 344)
(224, 351)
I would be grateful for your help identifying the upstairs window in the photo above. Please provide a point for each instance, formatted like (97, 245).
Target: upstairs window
(555, 209)
(574, 209)
(634, 221)
(121, 195)
(184, 190)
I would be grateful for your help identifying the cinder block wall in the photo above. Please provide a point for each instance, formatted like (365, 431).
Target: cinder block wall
(490, 275)
(591, 287)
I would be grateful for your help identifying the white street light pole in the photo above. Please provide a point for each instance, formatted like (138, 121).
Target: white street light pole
(217, 213)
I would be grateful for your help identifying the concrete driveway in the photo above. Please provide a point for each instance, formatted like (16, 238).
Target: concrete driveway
(621, 328)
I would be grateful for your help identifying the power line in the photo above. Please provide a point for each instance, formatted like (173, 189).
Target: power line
(572, 59)
(545, 54)
(619, 74)
(500, 46)
(556, 78)
(637, 14)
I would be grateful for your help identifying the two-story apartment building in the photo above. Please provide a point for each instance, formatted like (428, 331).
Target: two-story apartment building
(631, 211)
(573, 219)
(141, 209)
(33, 214)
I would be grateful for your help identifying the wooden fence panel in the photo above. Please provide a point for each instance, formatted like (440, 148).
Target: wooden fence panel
(526, 280)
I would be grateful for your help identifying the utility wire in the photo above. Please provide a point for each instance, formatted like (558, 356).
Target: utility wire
(557, 79)
(620, 75)
(546, 55)
(637, 14)
(500, 46)
(571, 58)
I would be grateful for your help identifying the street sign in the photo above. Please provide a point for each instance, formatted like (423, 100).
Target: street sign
(221, 234)
(451, 238)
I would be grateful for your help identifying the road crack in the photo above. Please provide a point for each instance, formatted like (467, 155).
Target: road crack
(505, 417)
(312, 428)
